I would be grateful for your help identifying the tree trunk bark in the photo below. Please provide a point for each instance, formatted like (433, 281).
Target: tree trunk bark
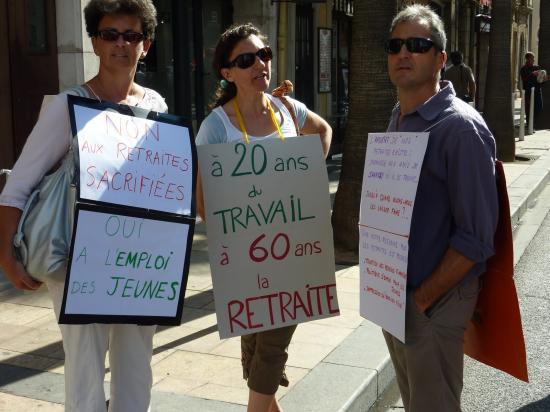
(372, 97)
(498, 110)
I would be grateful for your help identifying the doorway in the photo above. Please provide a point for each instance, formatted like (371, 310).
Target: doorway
(28, 52)
(304, 86)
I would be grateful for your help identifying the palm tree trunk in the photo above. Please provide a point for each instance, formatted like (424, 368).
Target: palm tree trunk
(498, 102)
(372, 97)
(542, 121)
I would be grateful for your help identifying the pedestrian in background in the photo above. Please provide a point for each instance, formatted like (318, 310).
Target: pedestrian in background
(462, 78)
(532, 75)
(121, 32)
(454, 217)
(243, 111)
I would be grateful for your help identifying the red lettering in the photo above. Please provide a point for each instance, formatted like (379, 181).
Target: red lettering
(142, 184)
(318, 292)
(233, 317)
(149, 130)
(283, 306)
(104, 179)
(269, 298)
(110, 121)
(299, 303)
(249, 313)
(181, 192)
(136, 129)
(120, 150)
(168, 191)
(127, 178)
(113, 181)
(330, 298)
(89, 171)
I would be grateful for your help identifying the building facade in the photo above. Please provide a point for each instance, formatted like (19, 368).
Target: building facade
(45, 49)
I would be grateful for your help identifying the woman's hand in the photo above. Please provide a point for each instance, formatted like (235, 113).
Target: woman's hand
(18, 276)
(13, 269)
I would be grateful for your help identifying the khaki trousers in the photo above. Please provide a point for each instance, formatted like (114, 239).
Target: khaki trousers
(130, 350)
(429, 366)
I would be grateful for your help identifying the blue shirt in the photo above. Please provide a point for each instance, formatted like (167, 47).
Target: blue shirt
(456, 204)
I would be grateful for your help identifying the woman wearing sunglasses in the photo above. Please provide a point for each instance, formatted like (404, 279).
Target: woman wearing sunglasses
(243, 111)
(121, 33)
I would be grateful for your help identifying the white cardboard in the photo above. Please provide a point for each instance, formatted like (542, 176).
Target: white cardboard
(101, 266)
(390, 180)
(132, 161)
(285, 208)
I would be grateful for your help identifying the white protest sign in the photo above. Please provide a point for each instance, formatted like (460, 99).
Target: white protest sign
(133, 161)
(383, 279)
(124, 265)
(390, 181)
(269, 233)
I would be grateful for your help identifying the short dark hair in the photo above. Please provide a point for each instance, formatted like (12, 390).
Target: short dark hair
(95, 10)
(529, 54)
(456, 57)
(227, 42)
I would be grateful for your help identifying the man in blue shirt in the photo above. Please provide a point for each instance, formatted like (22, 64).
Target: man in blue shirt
(454, 217)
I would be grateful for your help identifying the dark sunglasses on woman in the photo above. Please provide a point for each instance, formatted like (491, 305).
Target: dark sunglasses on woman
(113, 35)
(413, 45)
(245, 60)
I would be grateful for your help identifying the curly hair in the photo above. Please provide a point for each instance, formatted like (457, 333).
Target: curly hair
(227, 42)
(95, 10)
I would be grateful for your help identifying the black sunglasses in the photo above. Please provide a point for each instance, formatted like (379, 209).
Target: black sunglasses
(113, 35)
(413, 45)
(245, 60)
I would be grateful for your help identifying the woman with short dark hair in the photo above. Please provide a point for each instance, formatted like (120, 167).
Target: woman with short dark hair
(121, 32)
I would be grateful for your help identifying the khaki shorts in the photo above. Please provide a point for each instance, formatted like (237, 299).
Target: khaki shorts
(263, 356)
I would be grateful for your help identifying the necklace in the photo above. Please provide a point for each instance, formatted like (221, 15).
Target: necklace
(89, 86)
(93, 92)
(243, 128)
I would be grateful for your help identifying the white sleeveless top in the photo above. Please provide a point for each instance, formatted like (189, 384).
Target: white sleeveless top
(283, 117)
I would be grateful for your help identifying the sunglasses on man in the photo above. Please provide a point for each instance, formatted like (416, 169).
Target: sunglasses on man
(246, 60)
(113, 35)
(413, 45)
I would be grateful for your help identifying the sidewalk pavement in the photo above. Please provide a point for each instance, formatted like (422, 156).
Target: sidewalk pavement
(336, 364)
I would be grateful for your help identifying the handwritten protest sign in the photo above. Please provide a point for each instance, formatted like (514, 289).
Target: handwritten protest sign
(134, 218)
(269, 233)
(134, 161)
(126, 267)
(383, 279)
(390, 180)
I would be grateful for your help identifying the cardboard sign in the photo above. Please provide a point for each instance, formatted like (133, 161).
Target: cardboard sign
(126, 268)
(383, 279)
(390, 180)
(133, 159)
(133, 225)
(269, 233)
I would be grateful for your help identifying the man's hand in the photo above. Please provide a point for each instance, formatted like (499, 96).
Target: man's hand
(451, 270)
(421, 304)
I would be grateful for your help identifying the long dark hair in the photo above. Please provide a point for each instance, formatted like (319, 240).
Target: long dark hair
(227, 42)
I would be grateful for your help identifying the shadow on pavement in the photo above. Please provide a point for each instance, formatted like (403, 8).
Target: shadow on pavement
(10, 372)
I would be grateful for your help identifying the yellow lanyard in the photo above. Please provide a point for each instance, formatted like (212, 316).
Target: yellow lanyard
(241, 121)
